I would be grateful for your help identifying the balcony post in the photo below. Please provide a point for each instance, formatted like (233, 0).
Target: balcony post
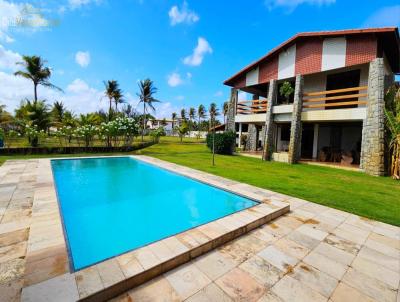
(372, 159)
(230, 117)
(296, 128)
(269, 121)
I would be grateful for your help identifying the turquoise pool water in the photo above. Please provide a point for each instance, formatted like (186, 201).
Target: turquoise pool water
(112, 205)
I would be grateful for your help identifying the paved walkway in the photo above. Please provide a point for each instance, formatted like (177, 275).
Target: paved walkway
(314, 253)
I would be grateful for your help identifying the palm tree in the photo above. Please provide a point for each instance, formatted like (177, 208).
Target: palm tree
(38, 114)
(57, 113)
(392, 113)
(192, 115)
(147, 90)
(183, 114)
(112, 88)
(201, 114)
(173, 121)
(36, 72)
(118, 98)
(225, 110)
(213, 114)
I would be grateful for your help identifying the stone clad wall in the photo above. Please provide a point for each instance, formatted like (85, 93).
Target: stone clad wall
(295, 129)
(269, 120)
(251, 143)
(373, 133)
(230, 118)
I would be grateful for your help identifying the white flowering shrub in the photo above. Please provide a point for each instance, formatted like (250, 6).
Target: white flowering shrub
(122, 129)
(86, 133)
(33, 134)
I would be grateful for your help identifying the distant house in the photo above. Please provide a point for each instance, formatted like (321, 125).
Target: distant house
(336, 112)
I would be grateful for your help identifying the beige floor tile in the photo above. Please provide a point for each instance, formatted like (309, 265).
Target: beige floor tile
(11, 270)
(214, 264)
(156, 290)
(11, 291)
(263, 235)
(60, 289)
(343, 244)
(13, 251)
(334, 253)
(242, 248)
(379, 258)
(279, 259)
(394, 243)
(88, 281)
(14, 237)
(369, 286)
(393, 233)
(110, 272)
(303, 240)
(374, 270)
(290, 289)
(347, 293)
(210, 293)
(187, 280)
(312, 232)
(315, 279)
(292, 248)
(146, 257)
(263, 271)
(270, 297)
(240, 286)
(382, 248)
(129, 264)
(326, 265)
(351, 233)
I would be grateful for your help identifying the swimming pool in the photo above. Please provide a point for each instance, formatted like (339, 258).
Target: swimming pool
(110, 206)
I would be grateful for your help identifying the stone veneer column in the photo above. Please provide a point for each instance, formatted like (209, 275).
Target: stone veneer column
(251, 143)
(372, 159)
(230, 117)
(295, 128)
(269, 121)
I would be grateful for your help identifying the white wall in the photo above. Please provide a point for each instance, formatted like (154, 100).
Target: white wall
(286, 63)
(252, 77)
(333, 53)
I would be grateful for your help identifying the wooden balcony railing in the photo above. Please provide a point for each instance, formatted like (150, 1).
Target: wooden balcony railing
(334, 99)
(251, 107)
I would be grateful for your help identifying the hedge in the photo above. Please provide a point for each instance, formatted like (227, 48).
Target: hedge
(224, 142)
(72, 150)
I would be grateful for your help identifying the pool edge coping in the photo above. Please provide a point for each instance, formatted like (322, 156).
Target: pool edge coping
(245, 221)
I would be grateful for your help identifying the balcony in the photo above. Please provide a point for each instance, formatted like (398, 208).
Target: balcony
(251, 107)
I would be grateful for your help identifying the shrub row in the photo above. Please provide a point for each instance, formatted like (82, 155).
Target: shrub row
(73, 150)
(224, 142)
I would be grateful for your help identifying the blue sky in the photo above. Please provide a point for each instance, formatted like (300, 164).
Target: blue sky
(188, 48)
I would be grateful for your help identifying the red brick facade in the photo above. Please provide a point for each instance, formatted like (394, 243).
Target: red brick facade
(308, 56)
(360, 49)
(268, 70)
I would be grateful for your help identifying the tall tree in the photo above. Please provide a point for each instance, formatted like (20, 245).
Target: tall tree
(192, 116)
(225, 107)
(183, 114)
(57, 113)
(147, 90)
(201, 114)
(35, 71)
(112, 89)
(118, 98)
(173, 116)
(213, 114)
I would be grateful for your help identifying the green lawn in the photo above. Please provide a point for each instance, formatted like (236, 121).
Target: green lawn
(355, 192)
(373, 197)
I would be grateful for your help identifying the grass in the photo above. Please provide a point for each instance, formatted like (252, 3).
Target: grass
(372, 197)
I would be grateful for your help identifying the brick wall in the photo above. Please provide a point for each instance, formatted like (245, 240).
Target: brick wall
(308, 56)
(240, 82)
(268, 70)
(360, 49)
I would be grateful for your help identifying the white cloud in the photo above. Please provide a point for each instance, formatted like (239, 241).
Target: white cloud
(82, 58)
(8, 59)
(292, 4)
(73, 4)
(165, 110)
(182, 15)
(218, 93)
(386, 16)
(175, 79)
(20, 16)
(196, 58)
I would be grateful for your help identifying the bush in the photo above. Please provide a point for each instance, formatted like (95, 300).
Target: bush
(224, 142)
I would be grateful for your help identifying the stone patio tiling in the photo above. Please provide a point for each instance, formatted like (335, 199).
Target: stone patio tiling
(312, 253)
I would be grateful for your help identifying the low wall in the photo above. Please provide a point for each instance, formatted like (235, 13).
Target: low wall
(72, 150)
